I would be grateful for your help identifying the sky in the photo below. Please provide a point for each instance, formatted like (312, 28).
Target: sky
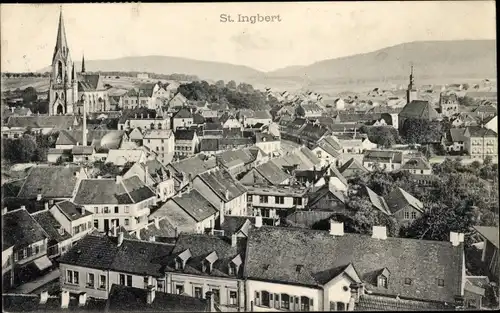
(305, 33)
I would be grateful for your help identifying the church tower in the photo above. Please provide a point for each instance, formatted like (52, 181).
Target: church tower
(411, 92)
(63, 90)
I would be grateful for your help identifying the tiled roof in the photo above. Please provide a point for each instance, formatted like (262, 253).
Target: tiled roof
(195, 205)
(20, 229)
(234, 224)
(107, 191)
(231, 133)
(457, 134)
(399, 199)
(383, 156)
(200, 247)
(183, 113)
(144, 257)
(334, 172)
(220, 182)
(184, 134)
(354, 165)
(377, 201)
(417, 163)
(478, 131)
(123, 298)
(198, 119)
(272, 173)
(31, 303)
(157, 134)
(82, 150)
(58, 122)
(324, 190)
(212, 126)
(31, 205)
(90, 82)
(194, 165)
(422, 261)
(50, 182)
(165, 230)
(51, 226)
(71, 211)
(381, 303)
(490, 233)
(122, 156)
(92, 251)
(419, 109)
(209, 144)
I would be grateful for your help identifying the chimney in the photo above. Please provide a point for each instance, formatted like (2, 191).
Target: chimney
(210, 298)
(455, 238)
(82, 299)
(336, 228)
(99, 177)
(23, 207)
(44, 296)
(258, 221)
(157, 222)
(4, 210)
(120, 239)
(82, 210)
(39, 197)
(46, 205)
(151, 294)
(379, 232)
(227, 194)
(118, 179)
(64, 299)
(12, 109)
(234, 240)
(152, 238)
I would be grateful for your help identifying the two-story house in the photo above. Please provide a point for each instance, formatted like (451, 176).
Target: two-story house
(143, 122)
(222, 190)
(386, 160)
(275, 201)
(119, 202)
(75, 220)
(154, 174)
(267, 142)
(182, 119)
(97, 262)
(189, 212)
(201, 263)
(186, 143)
(162, 142)
(230, 121)
(59, 240)
(481, 142)
(327, 150)
(29, 245)
(265, 174)
(398, 203)
(329, 275)
(417, 165)
(351, 168)
(455, 139)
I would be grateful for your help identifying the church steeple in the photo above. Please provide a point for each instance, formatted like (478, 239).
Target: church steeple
(83, 63)
(61, 42)
(73, 72)
(411, 92)
(412, 82)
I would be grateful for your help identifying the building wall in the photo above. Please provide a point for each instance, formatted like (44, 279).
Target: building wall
(405, 214)
(253, 286)
(61, 218)
(91, 100)
(386, 166)
(269, 146)
(480, 148)
(232, 123)
(83, 272)
(337, 290)
(323, 156)
(182, 122)
(163, 147)
(424, 172)
(493, 125)
(165, 189)
(42, 246)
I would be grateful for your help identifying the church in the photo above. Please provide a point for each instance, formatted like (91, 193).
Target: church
(69, 91)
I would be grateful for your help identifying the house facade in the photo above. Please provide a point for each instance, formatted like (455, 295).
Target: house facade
(275, 201)
(481, 142)
(162, 142)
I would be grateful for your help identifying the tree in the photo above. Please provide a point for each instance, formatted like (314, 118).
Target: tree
(384, 136)
(29, 95)
(220, 84)
(231, 85)
(366, 216)
(421, 131)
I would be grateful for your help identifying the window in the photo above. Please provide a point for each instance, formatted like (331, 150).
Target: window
(90, 280)
(96, 223)
(160, 285)
(106, 209)
(122, 279)
(233, 298)
(421, 171)
(413, 215)
(297, 201)
(257, 298)
(29, 251)
(285, 301)
(382, 281)
(126, 209)
(279, 200)
(146, 282)
(340, 306)
(69, 277)
(407, 215)
(216, 293)
(441, 282)
(179, 289)
(249, 198)
(198, 293)
(89, 225)
(96, 210)
(126, 222)
(263, 199)
(305, 303)
(116, 210)
(37, 249)
(408, 281)
(265, 298)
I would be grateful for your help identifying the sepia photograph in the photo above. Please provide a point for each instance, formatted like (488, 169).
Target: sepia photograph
(249, 157)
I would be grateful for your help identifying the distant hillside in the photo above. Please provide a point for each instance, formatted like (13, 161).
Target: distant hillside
(170, 65)
(432, 59)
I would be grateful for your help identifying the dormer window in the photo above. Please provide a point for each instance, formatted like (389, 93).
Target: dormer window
(382, 281)
(178, 264)
(408, 281)
(208, 262)
(182, 258)
(441, 282)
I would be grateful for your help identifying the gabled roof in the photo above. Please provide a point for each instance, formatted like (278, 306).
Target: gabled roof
(100, 139)
(183, 113)
(457, 134)
(419, 109)
(123, 298)
(31, 303)
(323, 191)
(58, 122)
(20, 229)
(353, 164)
(478, 131)
(234, 224)
(272, 173)
(90, 82)
(50, 182)
(326, 253)
(184, 134)
(209, 144)
(194, 165)
(417, 163)
(384, 303)
(193, 203)
(200, 247)
(398, 199)
(122, 156)
(383, 156)
(51, 226)
(378, 201)
(71, 211)
(157, 134)
(107, 191)
(221, 182)
(334, 172)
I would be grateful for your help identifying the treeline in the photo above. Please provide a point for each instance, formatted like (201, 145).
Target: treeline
(29, 147)
(174, 76)
(29, 74)
(242, 96)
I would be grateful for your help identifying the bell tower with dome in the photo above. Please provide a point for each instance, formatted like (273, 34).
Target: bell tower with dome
(63, 89)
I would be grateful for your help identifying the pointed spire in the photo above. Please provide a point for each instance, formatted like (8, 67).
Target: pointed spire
(61, 42)
(73, 73)
(83, 63)
(412, 82)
